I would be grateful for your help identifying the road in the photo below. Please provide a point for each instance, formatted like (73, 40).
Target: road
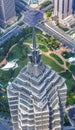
(50, 31)
(57, 30)
(21, 5)
(47, 8)
(15, 31)
(33, 17)
(30, 17)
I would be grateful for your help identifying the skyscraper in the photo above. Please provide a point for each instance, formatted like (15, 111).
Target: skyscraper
(37, 96)
(7, 11)
(73, 6)
(62, 8)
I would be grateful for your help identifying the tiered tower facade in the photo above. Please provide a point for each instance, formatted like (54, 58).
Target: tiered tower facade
(37, 96)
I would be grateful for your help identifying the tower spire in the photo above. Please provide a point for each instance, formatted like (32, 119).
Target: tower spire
(35, 64)
(34, 39)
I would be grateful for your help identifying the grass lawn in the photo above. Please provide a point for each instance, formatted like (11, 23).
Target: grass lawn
(71, 67)
(70, 85)
(40, 39)
(71, 98)
(57, 58)
(21, 63)
(69, 80)
(18, 52)
(43, 48)
(46, 41)
(52, 43)
(5, 77)
(1, 56)
(26, 36)
(73, 25)
(28, 39)
(48, 14)
(51, 63)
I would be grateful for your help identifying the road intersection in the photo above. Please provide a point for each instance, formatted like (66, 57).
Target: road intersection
(35, 17)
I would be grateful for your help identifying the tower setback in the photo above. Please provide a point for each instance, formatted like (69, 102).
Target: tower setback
(37, 96)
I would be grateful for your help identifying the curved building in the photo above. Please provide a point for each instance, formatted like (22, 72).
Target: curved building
(37, 96)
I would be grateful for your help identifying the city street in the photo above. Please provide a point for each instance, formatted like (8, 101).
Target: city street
(50, 31)
(33, 17)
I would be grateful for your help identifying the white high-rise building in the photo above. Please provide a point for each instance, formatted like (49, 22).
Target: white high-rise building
(7, 11)
(37, 96)
(62, 8)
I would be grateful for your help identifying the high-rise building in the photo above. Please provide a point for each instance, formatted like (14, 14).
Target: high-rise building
(73, 6)
(37, 96)
(62, 8)
(7, 11)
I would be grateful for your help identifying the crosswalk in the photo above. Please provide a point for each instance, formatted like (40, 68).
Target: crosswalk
(33, 17)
